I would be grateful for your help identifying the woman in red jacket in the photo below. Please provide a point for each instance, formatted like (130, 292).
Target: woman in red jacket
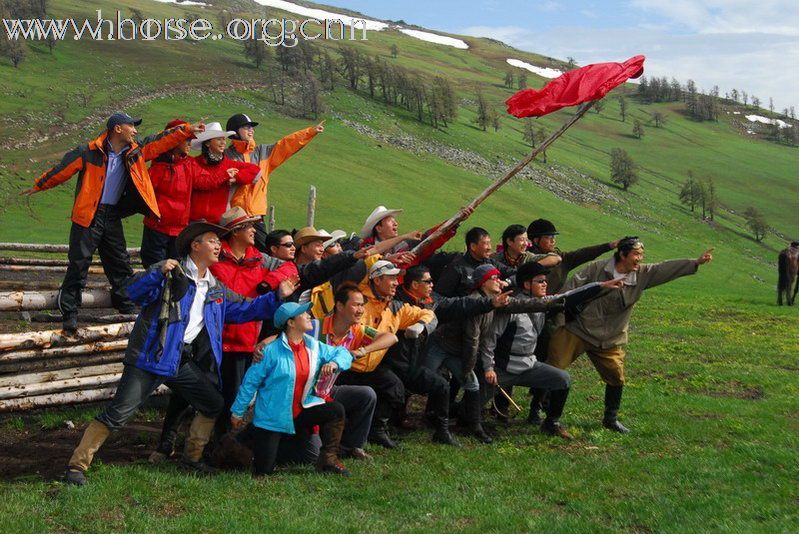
(174, 176)
(210, 205)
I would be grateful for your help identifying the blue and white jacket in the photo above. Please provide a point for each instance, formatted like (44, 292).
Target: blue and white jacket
(221, 306)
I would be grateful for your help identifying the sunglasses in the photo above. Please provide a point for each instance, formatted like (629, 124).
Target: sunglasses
(428, 281)
(539, 280)
(288, 245)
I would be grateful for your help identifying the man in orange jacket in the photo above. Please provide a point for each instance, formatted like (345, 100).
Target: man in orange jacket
(113, 183)
(252, 197)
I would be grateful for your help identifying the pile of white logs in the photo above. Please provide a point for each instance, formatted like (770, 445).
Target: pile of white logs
(48, 368)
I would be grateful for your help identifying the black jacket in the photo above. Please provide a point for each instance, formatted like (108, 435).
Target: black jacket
(456, 280)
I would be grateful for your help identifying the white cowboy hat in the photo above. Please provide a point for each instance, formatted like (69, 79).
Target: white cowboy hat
(379, 213)
(335, 237)
(212, 131)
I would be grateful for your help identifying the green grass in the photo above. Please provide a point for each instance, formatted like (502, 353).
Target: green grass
(711, 364)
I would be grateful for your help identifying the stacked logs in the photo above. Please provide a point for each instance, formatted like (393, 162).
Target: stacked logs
(48, 368)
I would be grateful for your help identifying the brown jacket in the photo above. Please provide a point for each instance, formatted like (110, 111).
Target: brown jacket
(603, 322)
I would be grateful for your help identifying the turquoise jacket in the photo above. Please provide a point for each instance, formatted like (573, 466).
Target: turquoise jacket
(272, 381)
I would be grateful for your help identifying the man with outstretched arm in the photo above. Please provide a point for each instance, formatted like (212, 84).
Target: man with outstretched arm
(177, 335)
(113, 183)
(600, 327)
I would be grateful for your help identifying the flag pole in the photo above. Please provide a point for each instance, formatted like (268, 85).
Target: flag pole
(458, 217)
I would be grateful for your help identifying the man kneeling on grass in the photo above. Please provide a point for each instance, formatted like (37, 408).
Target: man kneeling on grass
(507, 349)
(177, 334)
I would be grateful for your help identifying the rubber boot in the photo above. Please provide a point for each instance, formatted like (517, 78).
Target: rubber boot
(442, 435)
(199, 436)
(612, 404)
(379, 433)
(471, 412)
(328, 461)
(93, 438)
(177, 411)
(551, 425)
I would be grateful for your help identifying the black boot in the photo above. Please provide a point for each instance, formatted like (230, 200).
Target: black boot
(534, 417)
(471, 416)
(379, 433)
(612, 404)
(442, 435)
(551, 425)
(70, 325)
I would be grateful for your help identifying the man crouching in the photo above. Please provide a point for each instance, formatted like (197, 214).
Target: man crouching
(177, 334)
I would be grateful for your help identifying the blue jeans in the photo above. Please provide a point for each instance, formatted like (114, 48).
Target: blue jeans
(137, 385)
(436, 357)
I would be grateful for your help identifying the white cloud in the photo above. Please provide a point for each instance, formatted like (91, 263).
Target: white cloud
(760, 64)
(778, 17)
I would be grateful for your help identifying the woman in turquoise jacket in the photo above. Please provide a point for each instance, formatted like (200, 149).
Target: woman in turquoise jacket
(283, 383)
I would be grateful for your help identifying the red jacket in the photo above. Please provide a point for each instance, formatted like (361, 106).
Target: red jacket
(243, 276)
(210, 205)
(173, 182)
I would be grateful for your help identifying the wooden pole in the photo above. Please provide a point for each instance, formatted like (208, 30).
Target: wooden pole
(38, 285)
(271, 227)
(38, 366)
(57, 386)
(458, 217)
(60, 352)
(56, 338)
(52, 268)
(27, 379)
(40, 247)
(48, 300)
(311, 206)
(46, 262)
(58, 399)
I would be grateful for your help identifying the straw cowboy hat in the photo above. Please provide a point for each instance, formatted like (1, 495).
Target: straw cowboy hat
(212, 131)
(236, 216)
(308, 234)
(379, 213)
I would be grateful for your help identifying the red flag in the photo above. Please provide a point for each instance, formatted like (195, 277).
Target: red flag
(591, 82)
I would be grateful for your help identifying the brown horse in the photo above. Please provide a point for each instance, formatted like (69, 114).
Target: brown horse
(788, 266)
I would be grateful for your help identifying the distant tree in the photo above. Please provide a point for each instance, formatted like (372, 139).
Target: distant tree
(788, 135)
(350, 65)
(691, 192)
(327, 71)
(622, 108)
(710, 199)
(756, 223)
(509, 79)
(745, 98)
(541, 136)
(522, 80)
(658, 118)
(638, 129)
(394, 51)
(15, 50)
(571, 63)
(311, 103)
(755, 102)
(256, 51)
(136, 16)
(528, 131)
(771, 104)
(483, 119)
(51, 42)
(622, 168)
(734, 95)
(495, 122)
(224, 18)
(599, 105)
(792, 113)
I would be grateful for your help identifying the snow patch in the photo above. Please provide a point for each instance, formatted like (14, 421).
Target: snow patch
(435, 38)
(320, 14)
(186, 3)
(766, 120)
(544, 72)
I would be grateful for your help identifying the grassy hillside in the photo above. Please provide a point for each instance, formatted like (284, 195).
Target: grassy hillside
(712, 362)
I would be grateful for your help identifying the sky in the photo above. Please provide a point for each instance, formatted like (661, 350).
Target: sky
(742, 44)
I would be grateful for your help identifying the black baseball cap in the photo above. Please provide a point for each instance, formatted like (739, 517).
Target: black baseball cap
(121, 118)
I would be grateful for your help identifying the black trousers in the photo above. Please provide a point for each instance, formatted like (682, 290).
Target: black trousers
(387, 385)
(106, 236)
(260, 235)
(156, 247)
(267, 442)
(234, 367)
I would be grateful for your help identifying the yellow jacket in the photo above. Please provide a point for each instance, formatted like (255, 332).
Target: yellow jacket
(387, 315)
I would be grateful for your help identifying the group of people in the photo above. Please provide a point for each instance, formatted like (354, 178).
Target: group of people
(304, 346)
